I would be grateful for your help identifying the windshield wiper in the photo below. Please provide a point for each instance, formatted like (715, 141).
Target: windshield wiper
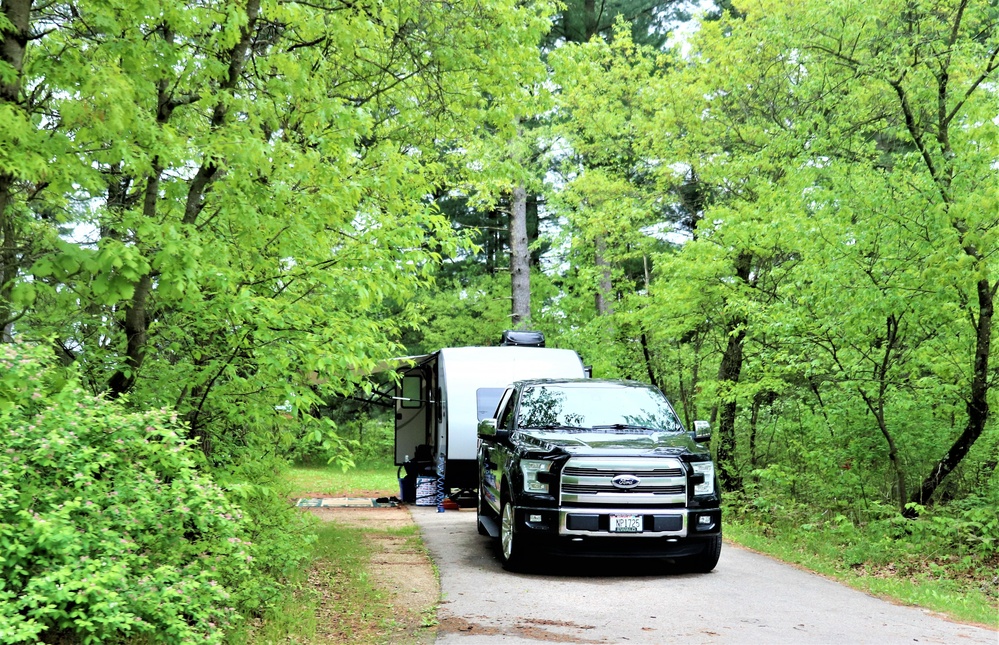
(554, 426)
(628, 426)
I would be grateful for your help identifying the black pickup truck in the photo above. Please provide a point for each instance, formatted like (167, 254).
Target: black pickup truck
(590, 467)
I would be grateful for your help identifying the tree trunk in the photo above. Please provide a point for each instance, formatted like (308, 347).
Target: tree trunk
(978, 404)
(878, 410)
(754, 418)
(648, 361)
(604, 286)
(12, 47)
(8, 258)
(943, 171)
(520, 258)
(136, 322)
(136, 311)
(728, 374)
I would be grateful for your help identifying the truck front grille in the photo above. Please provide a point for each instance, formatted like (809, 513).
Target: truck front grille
(595, 489)
(589, 481)
(579, 471)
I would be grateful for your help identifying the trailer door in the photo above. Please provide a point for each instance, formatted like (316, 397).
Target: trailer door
(414, 410)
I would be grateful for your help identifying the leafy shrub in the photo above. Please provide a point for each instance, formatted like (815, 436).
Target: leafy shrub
(280, 535)
(345, 439)
(108, 530)
(320, 441)
(375, 440)
(964, 527)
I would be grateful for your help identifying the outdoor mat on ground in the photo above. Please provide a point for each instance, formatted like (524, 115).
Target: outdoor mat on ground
(351, 502)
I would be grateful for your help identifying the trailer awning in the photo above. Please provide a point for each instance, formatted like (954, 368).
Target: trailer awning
(392, 364)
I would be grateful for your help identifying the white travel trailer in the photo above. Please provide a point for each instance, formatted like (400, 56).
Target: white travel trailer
(441, 398)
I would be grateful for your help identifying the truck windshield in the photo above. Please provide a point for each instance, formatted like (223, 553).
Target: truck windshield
(574, 408)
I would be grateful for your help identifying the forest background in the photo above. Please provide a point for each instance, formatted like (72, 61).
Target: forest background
(217, 217)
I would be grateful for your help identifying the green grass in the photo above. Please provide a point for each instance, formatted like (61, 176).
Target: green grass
(961, 596)
(364, 480)
(360, 611)
(339, 593)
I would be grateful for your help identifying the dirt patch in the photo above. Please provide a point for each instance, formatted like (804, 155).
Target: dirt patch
(531, 628)
(400, 567)
(373, 494)
(365, 518)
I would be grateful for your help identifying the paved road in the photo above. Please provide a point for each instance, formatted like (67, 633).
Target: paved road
(749, 598)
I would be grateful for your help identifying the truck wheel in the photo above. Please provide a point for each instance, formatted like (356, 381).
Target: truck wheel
(511, 545)
(706, 560)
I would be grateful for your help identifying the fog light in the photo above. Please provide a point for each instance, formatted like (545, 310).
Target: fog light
(534, 518)
(704, 519)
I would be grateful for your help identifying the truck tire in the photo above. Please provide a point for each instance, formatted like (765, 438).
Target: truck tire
(511, 545)
(706, 560)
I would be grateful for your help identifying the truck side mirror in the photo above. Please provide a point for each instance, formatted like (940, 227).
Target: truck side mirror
(702, 431)
(487, 429)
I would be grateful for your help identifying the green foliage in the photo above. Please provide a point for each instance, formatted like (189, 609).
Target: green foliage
(237, 210)
(468, 311)
(968, 528)
(247, 192)
(824, 296)
(345, 437)
(108, 528)
(827, 174)
(278, 533)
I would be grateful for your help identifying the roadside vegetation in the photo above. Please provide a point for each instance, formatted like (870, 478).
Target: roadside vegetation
(938, 562)
(112, 528)
(218, 220)
(333, 598)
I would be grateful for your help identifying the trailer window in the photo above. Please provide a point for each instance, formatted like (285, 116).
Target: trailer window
(412, 387)
(486, 400)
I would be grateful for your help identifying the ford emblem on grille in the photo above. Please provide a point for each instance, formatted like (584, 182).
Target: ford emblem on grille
(626, 481)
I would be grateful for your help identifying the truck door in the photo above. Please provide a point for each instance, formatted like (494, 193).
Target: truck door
(492, 457)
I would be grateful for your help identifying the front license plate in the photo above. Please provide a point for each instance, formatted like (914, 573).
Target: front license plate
(625, 523)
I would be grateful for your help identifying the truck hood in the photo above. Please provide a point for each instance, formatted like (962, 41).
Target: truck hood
(609, 443)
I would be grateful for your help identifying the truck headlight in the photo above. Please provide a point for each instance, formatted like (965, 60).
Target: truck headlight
(706, 468)
(531, 468)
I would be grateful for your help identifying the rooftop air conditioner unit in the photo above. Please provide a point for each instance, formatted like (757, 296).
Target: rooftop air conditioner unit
(512, 338)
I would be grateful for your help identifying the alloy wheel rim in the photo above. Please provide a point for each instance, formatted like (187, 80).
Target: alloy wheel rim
(506, 537)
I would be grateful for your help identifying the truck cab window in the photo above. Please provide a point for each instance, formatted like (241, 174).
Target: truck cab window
(505, 419)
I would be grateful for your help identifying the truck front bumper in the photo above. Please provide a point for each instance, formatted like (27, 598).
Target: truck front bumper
(588, 531)
(642, 523)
